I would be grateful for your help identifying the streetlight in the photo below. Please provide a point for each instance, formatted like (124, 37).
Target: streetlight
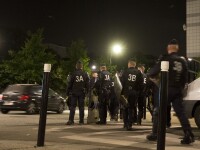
(116, 49)
(94, 67)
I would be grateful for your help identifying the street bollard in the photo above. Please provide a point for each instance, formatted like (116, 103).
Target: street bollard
(162, 105)
(43, 107)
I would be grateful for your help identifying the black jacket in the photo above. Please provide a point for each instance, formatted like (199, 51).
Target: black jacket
(178, 70)
(79, 83)
(132, 79)
(104, 81)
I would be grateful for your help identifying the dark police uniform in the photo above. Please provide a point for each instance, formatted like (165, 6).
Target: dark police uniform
(132, 83)
(92, 91)
(78, 87)
(114, 104)
(103, 87)
(177, 80)
(142, 100)
(69, 95)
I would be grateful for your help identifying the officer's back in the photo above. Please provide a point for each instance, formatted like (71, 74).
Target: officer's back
(132, 80)
(177, 70)
(104, 80)
(79, 83)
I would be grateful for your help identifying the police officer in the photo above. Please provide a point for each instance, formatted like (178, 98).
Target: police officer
(78, 87)
(103, 87)
(69, 95)
(132, 83)
(93, 79)
(177, 81)
(142, 95)
(114, 103)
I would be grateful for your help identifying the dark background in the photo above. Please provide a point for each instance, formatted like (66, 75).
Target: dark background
(144, 26)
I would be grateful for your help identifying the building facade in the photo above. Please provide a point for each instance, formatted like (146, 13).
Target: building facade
(193, 28)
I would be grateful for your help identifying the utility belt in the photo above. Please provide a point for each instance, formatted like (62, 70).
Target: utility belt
(80, 91)
(130, 89)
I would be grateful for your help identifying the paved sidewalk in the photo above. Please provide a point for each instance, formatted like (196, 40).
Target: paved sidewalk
(100, 141)
(92, 137)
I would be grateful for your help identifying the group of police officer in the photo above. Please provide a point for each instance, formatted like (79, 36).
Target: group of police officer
(133, 92)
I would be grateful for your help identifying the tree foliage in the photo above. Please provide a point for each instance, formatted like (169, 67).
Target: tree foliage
(26, 64)
(76, 51)
(112, 68)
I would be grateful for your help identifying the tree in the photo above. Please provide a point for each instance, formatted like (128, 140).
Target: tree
(77, 51)
(110, 67)
(26, 64)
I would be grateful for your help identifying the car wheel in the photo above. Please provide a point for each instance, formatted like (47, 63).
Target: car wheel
(31, 109)
(61, 108)
(4, 111)
(197, 116)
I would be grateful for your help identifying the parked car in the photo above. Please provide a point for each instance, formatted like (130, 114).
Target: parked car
(192, 101)
(28, 97)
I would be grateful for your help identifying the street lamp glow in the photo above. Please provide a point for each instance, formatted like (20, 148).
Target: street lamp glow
(94, 67)
(117, 48)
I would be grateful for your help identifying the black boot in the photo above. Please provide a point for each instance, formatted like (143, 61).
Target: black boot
(101, 122)
(116, 117)
(168, 124)
(69, 122)
(151, 137)
(129, 127)
(139, 119)
(188, 138)
(81, 122)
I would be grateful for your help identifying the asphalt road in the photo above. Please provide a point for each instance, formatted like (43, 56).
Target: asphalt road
(19, 131)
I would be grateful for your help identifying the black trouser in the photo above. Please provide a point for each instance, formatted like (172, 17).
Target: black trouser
(128, 111)
(175, 97)
(103, 104)
(113, 106)
(134, 113)
(140, 102)
(74, 99)
(69, 101)
(168, 115)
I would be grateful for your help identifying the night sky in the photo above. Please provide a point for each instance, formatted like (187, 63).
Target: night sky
(144, 26)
